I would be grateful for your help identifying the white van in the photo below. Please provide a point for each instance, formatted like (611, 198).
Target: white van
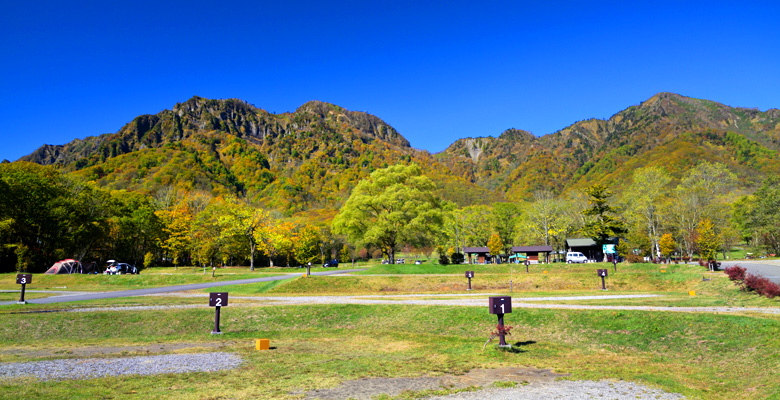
(575, 257)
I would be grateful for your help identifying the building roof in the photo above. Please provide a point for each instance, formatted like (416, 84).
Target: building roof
(476, 250)
(587, 242)
(532, 249)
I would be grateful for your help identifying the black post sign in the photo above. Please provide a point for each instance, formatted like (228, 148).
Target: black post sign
(603, 274)
(614, 262)
(23, 279)
(469, 274)
(500, 305)
(526, 265)
(217, 300)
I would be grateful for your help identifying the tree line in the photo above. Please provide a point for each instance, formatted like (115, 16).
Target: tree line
(46, 216)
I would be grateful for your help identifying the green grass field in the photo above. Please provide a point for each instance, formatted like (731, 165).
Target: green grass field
(700, 355)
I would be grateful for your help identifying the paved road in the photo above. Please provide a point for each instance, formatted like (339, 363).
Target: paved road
(769, 269)
(166, 289)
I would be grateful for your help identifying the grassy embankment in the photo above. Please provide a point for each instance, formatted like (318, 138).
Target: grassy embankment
(700, 355)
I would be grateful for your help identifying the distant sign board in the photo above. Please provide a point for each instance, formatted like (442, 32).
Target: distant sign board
(602, 273)
(23, 279)
(469, 274)
(609, 249)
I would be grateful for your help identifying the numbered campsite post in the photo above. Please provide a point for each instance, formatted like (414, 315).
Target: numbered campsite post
(217, 300)
(23, 279)
(603, 274)
(526, 265)
(469, 274)
(500, 305)
(614, 262)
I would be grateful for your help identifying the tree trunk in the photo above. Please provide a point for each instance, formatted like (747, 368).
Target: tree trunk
(251, 256)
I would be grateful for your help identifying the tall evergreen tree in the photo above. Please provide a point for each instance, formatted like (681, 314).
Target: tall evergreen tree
(605, 223)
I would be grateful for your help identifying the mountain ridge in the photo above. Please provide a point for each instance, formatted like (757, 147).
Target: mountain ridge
(312, 157)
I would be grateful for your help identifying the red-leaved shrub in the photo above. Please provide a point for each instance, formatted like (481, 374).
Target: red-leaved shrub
(762, 286)
(735, 273)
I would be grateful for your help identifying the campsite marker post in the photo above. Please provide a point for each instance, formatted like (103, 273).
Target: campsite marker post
(500, 305)
(23, 279)
(614, 262)
(603, 274)
(526, 265)
(469, 274)
(217, 300)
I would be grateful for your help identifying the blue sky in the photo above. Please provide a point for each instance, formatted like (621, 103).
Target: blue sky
(436, 71)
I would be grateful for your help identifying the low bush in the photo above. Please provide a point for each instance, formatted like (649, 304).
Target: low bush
(736, 273)
(457, 258)
(633, 258)
(762, 286)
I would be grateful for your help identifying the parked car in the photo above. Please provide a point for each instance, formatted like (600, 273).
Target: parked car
(575, 257)
(115, 268)
(332, 263)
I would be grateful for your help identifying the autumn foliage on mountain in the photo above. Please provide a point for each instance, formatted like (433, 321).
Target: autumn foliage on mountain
(181, 186)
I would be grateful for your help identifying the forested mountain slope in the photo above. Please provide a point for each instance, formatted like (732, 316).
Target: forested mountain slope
(667, 130)
(308, 159)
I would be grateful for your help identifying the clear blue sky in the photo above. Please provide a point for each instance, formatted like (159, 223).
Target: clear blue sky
(436, 71)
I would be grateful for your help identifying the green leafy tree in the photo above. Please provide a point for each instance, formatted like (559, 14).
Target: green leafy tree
(667, 244)
(696, 198)
(307, 244)
(245, 223)
(495, 245)
(605, 223)
(505, 220)
(708, 241)
(764, 216)
(395, 205)
(643, 202)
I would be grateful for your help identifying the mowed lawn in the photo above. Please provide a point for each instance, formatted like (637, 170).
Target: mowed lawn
(700, 355)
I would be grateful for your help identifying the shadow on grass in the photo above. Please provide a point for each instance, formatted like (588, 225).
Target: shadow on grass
(517, 347)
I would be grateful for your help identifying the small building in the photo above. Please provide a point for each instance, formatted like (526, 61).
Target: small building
(533, 253)
(477, 255)
(586, 246)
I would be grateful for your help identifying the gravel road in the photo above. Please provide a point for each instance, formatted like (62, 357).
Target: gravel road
(567, 390)
(88, 368)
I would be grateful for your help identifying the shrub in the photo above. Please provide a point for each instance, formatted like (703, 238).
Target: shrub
(633, 258)
(457, 258)
(735, 273)
(443, 260)
(148, 260)
(762, 286)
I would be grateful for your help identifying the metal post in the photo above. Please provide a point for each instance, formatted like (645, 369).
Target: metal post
(614, 262)
(469, 283)
(603, 287)
(501, 336)
(21, 299)
(216, 330)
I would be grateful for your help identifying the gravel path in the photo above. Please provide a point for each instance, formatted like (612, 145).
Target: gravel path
(87, 368)
(465, 300)
(567, 390)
